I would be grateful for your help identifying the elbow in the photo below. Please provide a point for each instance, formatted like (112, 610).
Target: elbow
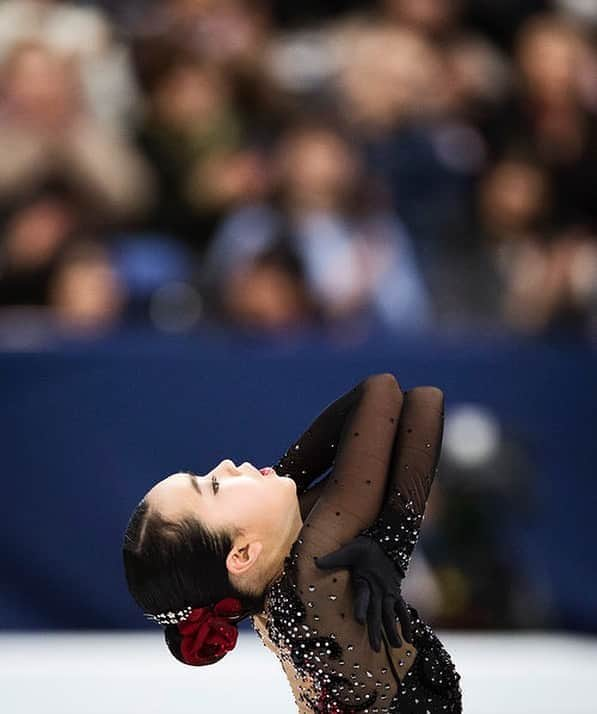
(385, 381)
(384, 387)
(432, 397)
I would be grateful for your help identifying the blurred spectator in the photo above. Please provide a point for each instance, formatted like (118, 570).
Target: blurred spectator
(269, 294)
(356, 257)
(83, 35)
(433, 18)
(47, 132)
(553, 287)
(85, 295)
(480, 78)
(34, 233)
(227, 32)
(399, 94)
(390, 76)
(474, 268)
(515, 199)
(509, 268)
(553, 114)
(45, 263)
(228, 35)
(193, 137)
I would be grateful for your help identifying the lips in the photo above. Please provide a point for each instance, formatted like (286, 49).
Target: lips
(266, 471)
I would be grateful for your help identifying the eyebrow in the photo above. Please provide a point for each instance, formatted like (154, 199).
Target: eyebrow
(195, 484)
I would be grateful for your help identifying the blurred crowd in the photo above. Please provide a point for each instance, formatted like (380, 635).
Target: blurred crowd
(270, 166)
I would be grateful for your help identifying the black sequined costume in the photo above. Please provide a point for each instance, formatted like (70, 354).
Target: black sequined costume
(382, 449)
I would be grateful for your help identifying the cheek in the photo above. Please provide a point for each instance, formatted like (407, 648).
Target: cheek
(248, 503)
(269, 501)
(253, 503)
(282, 498)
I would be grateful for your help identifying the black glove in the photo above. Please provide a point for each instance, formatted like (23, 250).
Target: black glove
(376, 583)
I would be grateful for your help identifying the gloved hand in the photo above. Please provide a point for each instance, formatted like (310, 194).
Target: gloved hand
(376, 583)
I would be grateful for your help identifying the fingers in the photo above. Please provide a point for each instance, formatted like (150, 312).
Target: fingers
(340, 558)
(404, 619)
(374, 622)
(389, 622)
(362, 596)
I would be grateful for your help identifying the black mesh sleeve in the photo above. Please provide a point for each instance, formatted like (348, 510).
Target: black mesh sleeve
(412, 470)
(314, 452)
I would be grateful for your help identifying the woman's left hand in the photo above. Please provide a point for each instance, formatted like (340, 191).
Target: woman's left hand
(377, 585)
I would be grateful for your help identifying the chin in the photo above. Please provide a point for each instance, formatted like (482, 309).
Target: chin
(286, 492)
(288, 482)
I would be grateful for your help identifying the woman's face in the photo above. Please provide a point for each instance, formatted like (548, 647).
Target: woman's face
(231, 498)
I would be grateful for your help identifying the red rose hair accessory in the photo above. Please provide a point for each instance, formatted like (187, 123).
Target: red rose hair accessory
(210, 633)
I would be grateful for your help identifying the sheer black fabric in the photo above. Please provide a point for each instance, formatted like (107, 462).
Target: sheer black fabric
(382, 449)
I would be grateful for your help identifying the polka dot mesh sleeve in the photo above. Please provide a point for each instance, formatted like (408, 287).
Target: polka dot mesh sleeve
(412, 470)
(315, 451)
(383, 447)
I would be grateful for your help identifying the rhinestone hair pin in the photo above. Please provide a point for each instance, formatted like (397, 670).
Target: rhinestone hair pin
(170, 618)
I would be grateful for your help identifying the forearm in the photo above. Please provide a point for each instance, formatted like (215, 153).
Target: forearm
(350, 499)
(314, 452)
(352, 496)
(411, 473)
(328, 441)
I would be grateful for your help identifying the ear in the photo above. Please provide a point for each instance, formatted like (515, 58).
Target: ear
(242, 557)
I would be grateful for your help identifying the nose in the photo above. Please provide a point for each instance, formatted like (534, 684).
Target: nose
(229, 467)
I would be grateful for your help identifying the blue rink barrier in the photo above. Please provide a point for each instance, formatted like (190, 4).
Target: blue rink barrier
(86, 429)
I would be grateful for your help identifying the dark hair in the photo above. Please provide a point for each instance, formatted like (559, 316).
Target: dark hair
(172, 565)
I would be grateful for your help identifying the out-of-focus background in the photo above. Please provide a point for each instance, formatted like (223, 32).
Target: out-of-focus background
(218, 215)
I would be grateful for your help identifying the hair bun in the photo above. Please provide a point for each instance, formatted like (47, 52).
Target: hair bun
(173, 639)
(207, 634)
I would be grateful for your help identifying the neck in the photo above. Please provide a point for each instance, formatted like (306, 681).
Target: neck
(278, 564)
(259, 582)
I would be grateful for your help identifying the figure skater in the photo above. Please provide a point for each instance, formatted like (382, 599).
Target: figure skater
(203, 552)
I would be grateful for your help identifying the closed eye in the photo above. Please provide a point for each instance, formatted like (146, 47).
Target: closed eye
(215, 485)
